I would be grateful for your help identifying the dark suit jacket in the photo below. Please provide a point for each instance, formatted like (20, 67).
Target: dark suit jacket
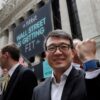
(74, 88)
(93, 86)
(21, 84)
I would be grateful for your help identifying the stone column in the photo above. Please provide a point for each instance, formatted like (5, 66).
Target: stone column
(10, 38)
(64, 16)
(11, 28)
(4, 39)
(87, 18)
(0, 40)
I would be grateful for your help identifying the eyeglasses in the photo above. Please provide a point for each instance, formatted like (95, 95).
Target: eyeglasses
(61, 47)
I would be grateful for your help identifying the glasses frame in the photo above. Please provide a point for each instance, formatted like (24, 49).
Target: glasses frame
(62, 47)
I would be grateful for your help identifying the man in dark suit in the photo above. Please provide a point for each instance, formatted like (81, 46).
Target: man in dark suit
(87, 53)
(66, 82)
(22, 80)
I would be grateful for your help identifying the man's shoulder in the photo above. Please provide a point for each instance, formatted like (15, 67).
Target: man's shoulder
(25, 69)
(44, 84)
(78, 72)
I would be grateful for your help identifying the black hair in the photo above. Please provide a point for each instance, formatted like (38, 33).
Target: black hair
(60, 34)
(13, 50)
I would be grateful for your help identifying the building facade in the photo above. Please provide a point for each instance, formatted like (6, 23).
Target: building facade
(80, 18)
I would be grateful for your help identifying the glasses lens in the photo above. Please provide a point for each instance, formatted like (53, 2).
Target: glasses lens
(51, 48)
(64, 47)
(61, 47)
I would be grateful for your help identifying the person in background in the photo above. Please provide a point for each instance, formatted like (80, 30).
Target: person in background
(87, 53)
(76, 60)
(4, 79)
(66, 83)
(22, 80)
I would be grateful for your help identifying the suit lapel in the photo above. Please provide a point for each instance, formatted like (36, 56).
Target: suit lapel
(47, 89)
(68, 85)
(11, 82)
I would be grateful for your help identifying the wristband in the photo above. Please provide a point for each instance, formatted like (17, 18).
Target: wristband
(90, 65)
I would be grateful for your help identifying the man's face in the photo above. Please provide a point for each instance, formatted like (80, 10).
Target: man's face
(59, 53)
(3, 60)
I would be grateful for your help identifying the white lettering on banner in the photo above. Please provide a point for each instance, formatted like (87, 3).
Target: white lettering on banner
(34, 31)
(30, 21)
(29, 46)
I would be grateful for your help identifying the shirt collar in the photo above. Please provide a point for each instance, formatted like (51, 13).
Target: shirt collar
(64, 75)
(92, 74)
(10, 72)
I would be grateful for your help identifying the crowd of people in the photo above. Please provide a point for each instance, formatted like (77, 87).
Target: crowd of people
(22, 79)
(75, 76)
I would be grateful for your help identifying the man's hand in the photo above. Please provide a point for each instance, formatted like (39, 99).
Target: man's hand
(86, 50)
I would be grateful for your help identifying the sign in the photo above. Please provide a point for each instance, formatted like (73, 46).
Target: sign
(47, 70)
(30, 34)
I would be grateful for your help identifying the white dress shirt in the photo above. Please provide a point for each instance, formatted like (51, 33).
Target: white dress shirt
(57, 88)
(92, 74)
(11, 71)
(76, 65)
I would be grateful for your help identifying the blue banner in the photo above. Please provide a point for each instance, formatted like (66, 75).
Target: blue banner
(30, 34)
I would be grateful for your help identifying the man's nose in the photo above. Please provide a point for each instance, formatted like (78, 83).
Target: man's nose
(58, 50)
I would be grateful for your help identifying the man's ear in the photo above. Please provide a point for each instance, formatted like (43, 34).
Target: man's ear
(73, 53)
(6, 55)
(46, 55)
